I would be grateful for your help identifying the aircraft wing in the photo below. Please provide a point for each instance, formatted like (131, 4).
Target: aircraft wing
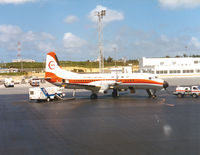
(97, 86)
(81, 86)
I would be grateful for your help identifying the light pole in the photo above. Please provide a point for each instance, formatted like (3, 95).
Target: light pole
(186, 48)
(115, 50)
(100, 15)
(19, 55)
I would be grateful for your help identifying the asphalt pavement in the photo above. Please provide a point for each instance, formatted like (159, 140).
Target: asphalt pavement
(132, 124)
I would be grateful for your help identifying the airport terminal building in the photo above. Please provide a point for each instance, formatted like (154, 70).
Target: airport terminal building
(170, 66)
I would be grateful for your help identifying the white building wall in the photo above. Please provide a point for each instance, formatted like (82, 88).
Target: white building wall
(23, 60)
(170, 65)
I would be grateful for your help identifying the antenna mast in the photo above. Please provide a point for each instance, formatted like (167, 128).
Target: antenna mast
(100, 15)
(19, 56)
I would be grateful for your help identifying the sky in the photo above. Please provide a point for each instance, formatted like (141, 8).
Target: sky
(135, 28)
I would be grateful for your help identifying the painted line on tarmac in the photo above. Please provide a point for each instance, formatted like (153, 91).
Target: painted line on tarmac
(170, 105)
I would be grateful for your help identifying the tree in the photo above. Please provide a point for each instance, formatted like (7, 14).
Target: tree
(109, 59)
(185, 55)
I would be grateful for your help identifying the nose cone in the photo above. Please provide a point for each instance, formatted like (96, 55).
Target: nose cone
(165, 84)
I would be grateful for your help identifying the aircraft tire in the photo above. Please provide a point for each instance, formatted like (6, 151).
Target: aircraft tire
(93, 96)
(154, 96)
(115, 93)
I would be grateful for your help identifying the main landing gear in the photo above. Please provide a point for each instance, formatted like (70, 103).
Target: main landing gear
(115, 93)
(151, 93)
(93, 96)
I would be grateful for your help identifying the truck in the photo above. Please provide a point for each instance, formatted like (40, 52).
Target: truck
(8, 82)
(193, 91)
(46, 93)
(34, 81)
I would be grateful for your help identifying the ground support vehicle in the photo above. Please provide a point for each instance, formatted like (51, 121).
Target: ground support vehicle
(8, 82)
(46, 94)
(193, 91)
(34, 82)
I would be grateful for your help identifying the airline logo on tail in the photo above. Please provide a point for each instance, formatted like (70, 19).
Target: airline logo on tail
(52, 65)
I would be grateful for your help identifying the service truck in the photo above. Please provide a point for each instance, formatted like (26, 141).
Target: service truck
(8, 82)
(193, 91)
(34, 81)
(46, 93)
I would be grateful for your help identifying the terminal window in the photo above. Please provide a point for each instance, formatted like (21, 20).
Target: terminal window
(174, 71)
(188, 71)
(161, 72)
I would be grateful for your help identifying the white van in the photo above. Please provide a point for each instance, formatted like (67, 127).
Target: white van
(8, 82)
(34, 81)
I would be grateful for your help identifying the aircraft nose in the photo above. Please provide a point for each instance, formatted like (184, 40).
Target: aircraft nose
(165, 84)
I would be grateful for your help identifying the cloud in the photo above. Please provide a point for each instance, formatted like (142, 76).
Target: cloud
(195, 42)
(164, 38)
(159, 45)
(15, 1)
(111, 15)
(33, 44)
(129, 43)
(10, 29)
(179, 3)
(132, 43)
(46, 46)
(71, 19)
(11, 34)
(70, 41)
(32, 36)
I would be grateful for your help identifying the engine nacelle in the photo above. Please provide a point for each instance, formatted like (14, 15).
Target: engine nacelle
(104, 89)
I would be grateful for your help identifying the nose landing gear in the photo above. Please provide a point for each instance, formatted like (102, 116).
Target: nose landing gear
(151, 93)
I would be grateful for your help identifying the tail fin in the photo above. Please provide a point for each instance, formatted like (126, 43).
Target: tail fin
(52, 62)
(52, 65)
(53, 71)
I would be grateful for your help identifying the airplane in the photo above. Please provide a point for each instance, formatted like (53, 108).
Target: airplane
(101, 82)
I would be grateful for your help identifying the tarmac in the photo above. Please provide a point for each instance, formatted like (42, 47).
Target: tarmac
(132, 124)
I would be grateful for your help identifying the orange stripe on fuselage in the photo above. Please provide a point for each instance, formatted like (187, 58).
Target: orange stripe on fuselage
(77, 81)
(54, 78)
